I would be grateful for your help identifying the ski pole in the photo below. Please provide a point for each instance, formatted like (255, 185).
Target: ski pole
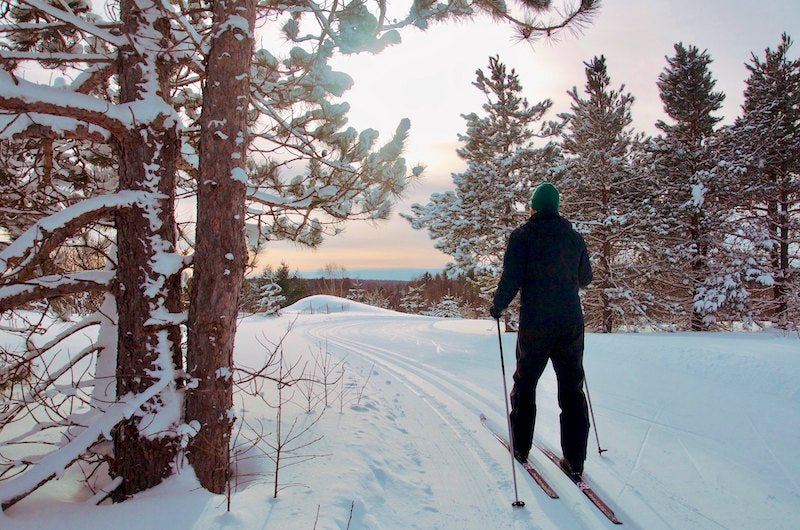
(517, 503)
(591, 411)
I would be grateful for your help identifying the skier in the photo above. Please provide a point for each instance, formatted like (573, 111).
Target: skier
(547, 260)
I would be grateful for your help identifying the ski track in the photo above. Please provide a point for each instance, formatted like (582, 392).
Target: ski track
(327, 333)
(772, 455)
(450, 397)
(690, 457)
(638, 459)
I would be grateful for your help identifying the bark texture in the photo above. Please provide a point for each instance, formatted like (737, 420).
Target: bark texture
(220, 251)
(147, 163)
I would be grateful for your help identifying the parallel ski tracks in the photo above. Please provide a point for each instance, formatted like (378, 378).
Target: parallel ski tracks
(420, 386)
(446, 395)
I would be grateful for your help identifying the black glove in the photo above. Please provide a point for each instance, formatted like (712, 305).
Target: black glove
(495, 313)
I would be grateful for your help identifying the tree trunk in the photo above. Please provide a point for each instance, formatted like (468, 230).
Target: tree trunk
(781, 281)
(605, 285)
(699, 270)
(220, 251)
(147, 163)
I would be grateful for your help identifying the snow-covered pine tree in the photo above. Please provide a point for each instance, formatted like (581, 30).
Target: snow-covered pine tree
(413, 301)
(690, 217)
(376, 297)
(767, 157)
(472, 223)
(357, 293)
(607, 198)
(270, 294)
(448, 307)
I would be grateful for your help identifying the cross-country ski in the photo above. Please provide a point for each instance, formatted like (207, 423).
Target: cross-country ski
(532, 471)
(582, 484)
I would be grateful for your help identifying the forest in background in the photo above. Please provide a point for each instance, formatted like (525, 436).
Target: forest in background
(428, 294)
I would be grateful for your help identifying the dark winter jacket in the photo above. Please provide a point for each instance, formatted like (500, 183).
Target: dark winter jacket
(547, 260)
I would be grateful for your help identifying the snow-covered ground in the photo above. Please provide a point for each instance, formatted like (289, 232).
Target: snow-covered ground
(702, 431)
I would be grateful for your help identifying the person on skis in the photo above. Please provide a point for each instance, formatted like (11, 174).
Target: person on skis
(547, 260)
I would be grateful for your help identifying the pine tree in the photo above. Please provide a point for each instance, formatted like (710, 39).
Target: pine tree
(413, 301)
(291, 285)
(606, 197)
(473, 222)
(270, 294)
(448, 306)
(357, 293)
(691, 219)
(767, 156)
(377, 298)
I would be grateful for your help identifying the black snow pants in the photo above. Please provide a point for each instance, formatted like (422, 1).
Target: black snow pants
(564, 346)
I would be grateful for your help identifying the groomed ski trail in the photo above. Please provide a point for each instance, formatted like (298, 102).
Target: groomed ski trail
(479, 466)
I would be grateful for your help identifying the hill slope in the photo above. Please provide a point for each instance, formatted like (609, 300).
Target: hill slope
(701, 432)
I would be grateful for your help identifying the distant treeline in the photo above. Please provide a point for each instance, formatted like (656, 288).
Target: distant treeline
(434, 294)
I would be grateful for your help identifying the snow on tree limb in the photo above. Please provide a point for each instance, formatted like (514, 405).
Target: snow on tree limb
(93, 76)
(55, 463)
(38, 241)
(17, 294)
(19, 95)
(60, 57)
(33, 395)
(186, 26)
(35, 125)
(34, 350)
(77, 22)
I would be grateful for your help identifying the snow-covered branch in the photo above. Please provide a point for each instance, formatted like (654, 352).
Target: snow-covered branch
(92, 77)
(17, 294)
(19, 258)
(56, 462)
(19, 95)
(35, 125)
(75, 21)
(57, 57)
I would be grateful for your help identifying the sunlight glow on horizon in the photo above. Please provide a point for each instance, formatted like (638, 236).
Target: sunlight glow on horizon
(428, 79)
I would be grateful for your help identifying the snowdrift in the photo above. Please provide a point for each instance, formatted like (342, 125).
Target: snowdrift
(326, 304)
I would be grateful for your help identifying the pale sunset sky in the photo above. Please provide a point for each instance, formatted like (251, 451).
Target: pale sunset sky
(427, 78)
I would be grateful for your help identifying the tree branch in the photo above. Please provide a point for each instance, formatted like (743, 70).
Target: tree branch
(77, 22)
(17, 294)
(56, 462)
(19, 258)
(34, 125)
(13, 56)
(23, 96)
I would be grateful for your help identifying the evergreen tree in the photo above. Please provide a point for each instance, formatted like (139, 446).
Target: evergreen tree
(473, 222)
(292, 287)
(413, 301)
(690, 223)
(607, 198)
(270, 294)
(377, 298)
(767, 156)
(448, 307)
(357, 292)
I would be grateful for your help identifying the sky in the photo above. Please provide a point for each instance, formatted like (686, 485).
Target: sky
(427, 78)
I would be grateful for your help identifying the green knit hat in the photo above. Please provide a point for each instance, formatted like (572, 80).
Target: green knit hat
(545, 198)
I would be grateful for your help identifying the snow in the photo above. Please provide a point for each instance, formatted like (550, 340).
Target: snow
(332, 304)
(35, 233)
(701, 432)
(11, 125)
